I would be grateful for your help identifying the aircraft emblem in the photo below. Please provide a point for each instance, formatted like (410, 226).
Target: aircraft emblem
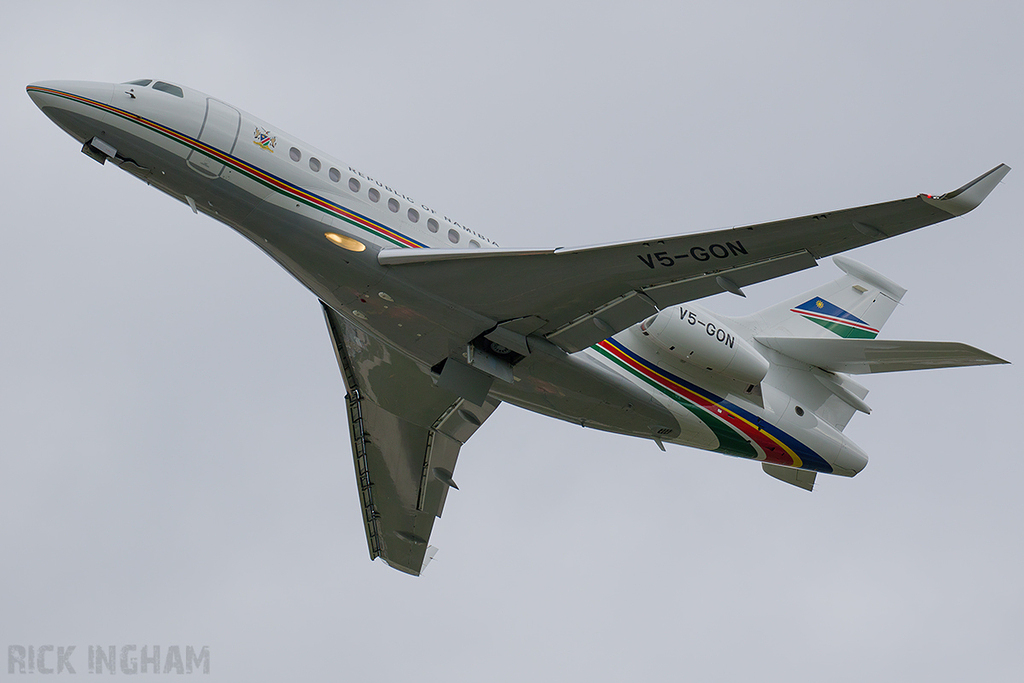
(262, 138)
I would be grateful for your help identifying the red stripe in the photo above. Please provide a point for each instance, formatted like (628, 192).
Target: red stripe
(831, 319)
(774, 451)
(230, 161)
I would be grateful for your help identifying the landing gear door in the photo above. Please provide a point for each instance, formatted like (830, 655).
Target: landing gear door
(219, 135)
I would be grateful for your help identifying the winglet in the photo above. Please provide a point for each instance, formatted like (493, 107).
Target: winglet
(959, 202)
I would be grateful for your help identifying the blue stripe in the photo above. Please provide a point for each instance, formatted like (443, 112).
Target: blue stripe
(241, 165)
(811, 460)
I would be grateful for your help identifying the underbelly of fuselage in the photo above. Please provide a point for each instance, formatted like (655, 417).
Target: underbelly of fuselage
(411, 321)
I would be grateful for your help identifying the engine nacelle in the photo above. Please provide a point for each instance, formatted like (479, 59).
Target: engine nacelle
(697, 337)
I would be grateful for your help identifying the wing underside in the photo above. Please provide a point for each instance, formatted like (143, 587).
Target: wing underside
(577, 297)
(406, 435)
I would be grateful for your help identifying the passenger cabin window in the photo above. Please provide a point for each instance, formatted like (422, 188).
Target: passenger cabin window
(353, 184)
(335, 175)
(414, 215)
(142, 81)
(474, 244)
(393, 205)
(431, 225)
(314, 164)
(374, 195)
(169, 89)
(295, 154)
(453, 236)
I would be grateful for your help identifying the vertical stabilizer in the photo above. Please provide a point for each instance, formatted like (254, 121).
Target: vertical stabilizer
(855, 306)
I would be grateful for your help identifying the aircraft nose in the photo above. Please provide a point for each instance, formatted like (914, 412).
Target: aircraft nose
(75, 106)
(44, 92)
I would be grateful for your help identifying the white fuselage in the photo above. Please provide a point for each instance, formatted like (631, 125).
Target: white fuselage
(325, 223)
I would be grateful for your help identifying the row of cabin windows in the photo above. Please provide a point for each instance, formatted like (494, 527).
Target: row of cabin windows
(334, 174)
(374, 194)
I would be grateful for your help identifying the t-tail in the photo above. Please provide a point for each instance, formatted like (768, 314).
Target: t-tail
(815, 341)
(855, 306)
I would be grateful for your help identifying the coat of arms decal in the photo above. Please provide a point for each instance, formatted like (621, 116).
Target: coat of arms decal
(262, 138)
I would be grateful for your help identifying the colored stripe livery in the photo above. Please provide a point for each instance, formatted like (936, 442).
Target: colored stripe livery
(268, 179)
(739, 432)
(835, 319)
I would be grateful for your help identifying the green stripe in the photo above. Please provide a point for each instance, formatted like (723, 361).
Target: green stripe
(843, 330)
(729, 441)
(187, 143)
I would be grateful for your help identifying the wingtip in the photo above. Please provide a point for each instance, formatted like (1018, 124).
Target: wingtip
(971, 195)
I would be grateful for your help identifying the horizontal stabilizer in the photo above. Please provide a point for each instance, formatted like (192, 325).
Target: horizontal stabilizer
(802, 478)
(863, 356)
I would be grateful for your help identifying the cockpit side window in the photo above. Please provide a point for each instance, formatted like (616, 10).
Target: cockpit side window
(142, 81)
(168, 88)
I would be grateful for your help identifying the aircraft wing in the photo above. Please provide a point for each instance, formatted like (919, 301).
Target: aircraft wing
(575, 297)
(406, 435)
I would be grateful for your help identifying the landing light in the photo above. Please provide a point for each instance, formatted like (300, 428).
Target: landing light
(345, 242)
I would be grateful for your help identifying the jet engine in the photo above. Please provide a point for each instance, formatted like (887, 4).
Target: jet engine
(697, 337)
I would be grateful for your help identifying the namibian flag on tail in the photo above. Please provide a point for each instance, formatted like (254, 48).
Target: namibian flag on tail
(835, 319)
(854, 306)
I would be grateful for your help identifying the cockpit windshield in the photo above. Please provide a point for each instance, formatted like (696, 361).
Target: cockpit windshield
(168, 88)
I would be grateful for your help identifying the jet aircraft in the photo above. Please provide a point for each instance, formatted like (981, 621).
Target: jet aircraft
(434, 325)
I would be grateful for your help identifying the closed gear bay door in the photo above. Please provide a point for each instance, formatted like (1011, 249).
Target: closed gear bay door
(220, 132)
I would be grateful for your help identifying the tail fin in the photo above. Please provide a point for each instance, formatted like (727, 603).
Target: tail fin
(831, 330)
(855, 306)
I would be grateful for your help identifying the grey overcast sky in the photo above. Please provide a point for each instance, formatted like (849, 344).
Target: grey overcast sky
(175, 463)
